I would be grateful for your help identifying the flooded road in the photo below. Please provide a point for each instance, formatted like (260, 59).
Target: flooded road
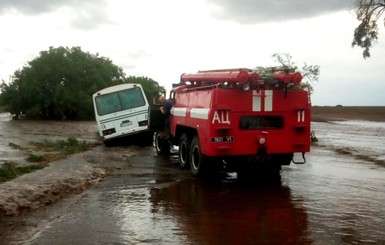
(337, 197)
(22, 133)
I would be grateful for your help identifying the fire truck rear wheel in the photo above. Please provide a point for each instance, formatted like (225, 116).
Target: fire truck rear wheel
(184, 152)
(197, 160)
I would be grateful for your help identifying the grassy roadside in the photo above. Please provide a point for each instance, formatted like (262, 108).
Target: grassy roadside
(40, 154)
(338, 113)
(9, 170)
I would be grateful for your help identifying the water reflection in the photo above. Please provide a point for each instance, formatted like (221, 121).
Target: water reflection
(343, 197)
(232, 213)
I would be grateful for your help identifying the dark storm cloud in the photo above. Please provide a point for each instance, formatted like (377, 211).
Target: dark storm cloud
(257, 11)
(85, 14)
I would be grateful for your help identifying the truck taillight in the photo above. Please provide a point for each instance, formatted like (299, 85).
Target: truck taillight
(109, 131)
(143, 123)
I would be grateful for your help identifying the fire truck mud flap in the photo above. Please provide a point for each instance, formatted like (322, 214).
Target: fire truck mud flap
(249, 171)
(263, 159)
(261, 166)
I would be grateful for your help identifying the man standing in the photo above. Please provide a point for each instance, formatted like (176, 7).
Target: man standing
(166, 110)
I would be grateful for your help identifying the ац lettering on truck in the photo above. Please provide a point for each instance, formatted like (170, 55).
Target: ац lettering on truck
(241, 118)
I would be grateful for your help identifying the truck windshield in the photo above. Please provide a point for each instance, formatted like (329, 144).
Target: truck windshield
(119, 101)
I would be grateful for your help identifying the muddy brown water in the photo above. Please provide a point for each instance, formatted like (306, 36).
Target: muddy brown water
(22, 133)
(335, 198)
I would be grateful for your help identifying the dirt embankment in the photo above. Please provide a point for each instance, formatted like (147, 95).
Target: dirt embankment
(341, 113)
(61, 178)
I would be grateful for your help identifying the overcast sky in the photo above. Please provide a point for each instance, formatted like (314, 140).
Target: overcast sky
(163, 39)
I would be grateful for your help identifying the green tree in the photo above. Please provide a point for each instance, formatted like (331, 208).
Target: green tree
(310, 73)
(151, 88)
(366, 33)
(59, 84)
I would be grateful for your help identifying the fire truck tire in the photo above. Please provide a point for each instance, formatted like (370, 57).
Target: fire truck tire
(162, 147)
(184, 151)
(198, 161)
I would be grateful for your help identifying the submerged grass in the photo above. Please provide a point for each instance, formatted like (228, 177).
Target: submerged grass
(64, 147)
(9, 170)
(41, 154)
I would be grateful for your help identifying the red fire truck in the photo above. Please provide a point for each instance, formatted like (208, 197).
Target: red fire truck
(239, 118)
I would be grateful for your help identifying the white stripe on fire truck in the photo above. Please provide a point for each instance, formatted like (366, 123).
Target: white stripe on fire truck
(268, 100)
(256, 101)
(201, 113)
(179, 111)
(301, 116)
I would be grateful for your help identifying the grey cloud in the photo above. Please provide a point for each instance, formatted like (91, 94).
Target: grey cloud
(29, 6)
(85, 14)
(257, 11)
(35, 7)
